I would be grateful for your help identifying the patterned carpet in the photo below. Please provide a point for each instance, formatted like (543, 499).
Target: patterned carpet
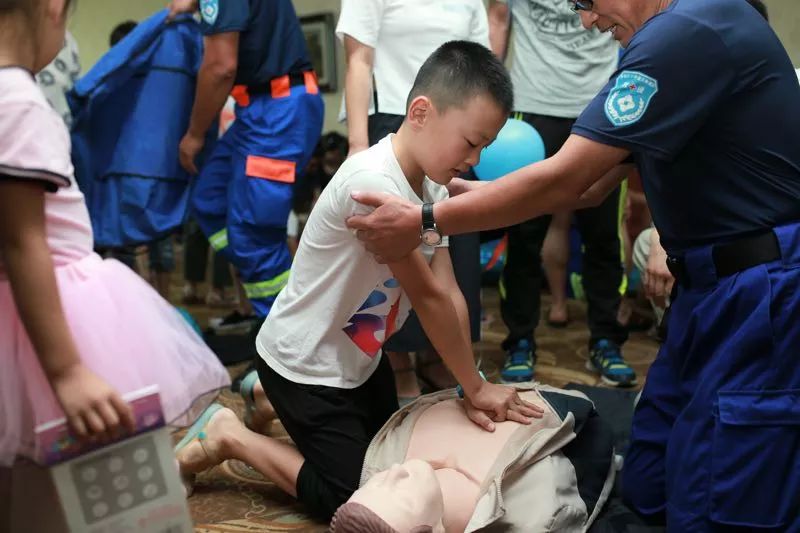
(234, 498)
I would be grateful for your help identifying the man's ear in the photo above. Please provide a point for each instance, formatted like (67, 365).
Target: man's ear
(418, 111)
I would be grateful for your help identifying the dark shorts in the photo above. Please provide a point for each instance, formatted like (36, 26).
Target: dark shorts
(332, 429)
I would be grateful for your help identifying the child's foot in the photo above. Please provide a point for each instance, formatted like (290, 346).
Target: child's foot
(206, 442)
(258, 411)
(558, 317)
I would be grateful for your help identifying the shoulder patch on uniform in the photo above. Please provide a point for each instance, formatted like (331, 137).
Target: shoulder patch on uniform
(628, 99)
(209, 9)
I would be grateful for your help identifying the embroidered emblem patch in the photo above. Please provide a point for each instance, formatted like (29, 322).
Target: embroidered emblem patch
(209, 9)
(628, 100)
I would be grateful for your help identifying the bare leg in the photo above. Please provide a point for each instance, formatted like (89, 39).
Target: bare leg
(227, 438)
(263, 414)
(162, 284)
(244, 303)
(404, 376)
(555, 255)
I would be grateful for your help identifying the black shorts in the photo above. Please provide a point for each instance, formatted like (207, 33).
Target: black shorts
(332, 428)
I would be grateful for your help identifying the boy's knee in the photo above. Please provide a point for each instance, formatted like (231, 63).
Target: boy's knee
(321, 496)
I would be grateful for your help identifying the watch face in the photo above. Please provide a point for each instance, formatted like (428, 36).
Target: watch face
(431, 237)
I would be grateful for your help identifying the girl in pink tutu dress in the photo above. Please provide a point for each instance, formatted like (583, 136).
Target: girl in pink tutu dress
(76, 332)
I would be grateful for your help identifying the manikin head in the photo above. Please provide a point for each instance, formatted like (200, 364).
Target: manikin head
(405, 498)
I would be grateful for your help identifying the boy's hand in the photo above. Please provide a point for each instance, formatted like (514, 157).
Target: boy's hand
(94, 410)
(497, 403)
(460, 186)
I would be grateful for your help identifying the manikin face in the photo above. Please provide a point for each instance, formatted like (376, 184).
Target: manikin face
(622, 18)
(405, 496)
(450, 142)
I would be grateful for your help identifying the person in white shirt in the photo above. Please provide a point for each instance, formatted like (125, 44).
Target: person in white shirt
(57, 78)
(386, 42)
(321, 362)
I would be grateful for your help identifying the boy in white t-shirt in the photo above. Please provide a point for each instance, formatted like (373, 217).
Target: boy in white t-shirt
(321, 363)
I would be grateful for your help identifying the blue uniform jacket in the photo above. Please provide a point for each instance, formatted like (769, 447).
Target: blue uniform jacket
(130, 112)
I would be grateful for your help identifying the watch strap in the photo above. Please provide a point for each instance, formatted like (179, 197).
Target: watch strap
(427, 216)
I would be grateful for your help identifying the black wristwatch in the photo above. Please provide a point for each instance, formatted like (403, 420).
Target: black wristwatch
(430, 233)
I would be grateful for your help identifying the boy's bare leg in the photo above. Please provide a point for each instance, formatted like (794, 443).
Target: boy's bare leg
(226, 437)
(405, 376)
(263, 414)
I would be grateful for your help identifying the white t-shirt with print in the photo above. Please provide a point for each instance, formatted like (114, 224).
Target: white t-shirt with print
(404, 33)
(558, 65)
(57, 78)
(328, 324)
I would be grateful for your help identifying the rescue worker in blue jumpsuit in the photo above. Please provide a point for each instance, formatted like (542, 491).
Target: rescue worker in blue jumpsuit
(255, 51)
(707, 102)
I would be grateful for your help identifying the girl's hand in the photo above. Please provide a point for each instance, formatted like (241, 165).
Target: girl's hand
(94, 410)
(497, 403)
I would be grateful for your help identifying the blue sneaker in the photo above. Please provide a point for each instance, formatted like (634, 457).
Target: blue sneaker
(519, 363)
(605, 357)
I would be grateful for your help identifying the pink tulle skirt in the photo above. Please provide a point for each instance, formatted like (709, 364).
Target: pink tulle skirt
(124, 331)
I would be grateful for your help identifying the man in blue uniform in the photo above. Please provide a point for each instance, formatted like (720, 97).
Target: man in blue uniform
(254, 50)
(706, 100)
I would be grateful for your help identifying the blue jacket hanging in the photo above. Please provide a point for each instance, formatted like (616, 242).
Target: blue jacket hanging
(130, 113)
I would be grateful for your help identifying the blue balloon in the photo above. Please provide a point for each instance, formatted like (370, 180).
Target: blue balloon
(518, 144)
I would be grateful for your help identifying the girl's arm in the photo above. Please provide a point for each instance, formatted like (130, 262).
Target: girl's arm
(92, 407)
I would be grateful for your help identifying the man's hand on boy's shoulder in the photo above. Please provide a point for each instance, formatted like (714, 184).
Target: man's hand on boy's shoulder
(390, 232)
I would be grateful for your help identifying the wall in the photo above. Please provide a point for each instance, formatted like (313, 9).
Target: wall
(94, 19)
(784, 15)
(332, 100)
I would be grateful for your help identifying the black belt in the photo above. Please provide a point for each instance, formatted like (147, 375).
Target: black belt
(733, 257)
(295, 78)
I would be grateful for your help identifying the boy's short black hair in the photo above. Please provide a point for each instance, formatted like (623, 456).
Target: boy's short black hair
(760, 7)
(460, 70)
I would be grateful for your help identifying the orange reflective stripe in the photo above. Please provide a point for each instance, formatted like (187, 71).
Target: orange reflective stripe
(310, 78)
(270, 169)
(240, 94)
(280, 86)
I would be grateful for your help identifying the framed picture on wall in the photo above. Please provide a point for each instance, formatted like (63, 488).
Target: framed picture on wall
(318, 31)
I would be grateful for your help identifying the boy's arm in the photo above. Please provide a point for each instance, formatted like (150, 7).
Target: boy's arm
(439, 317)
(442, 268)
(448, 331)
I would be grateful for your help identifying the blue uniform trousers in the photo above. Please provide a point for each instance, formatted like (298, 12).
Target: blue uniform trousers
(243, 194)
(715, 442)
